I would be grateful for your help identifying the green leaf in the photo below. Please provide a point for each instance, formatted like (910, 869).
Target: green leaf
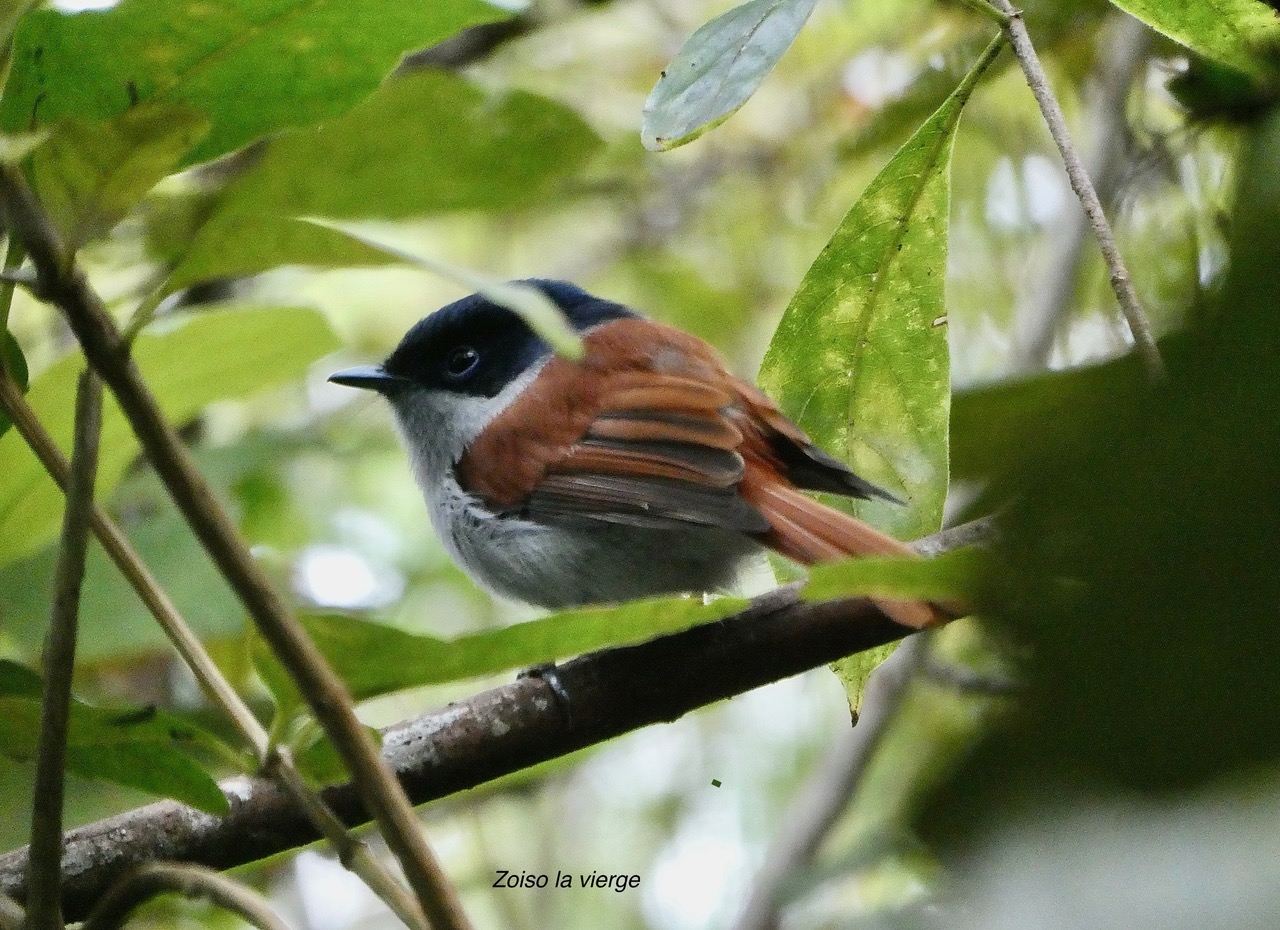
(950, 576)
(188, 363)
(252, 67)
(142, 748)
(542, 313)
(860, 359)
(427, 143)
(718, 69)
(89, 175)
(374, 659)
(1208, 90)
(1243, 34)
(1135, 560)
(15, 363)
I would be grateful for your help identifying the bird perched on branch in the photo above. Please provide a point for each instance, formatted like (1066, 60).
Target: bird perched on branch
(642, 468)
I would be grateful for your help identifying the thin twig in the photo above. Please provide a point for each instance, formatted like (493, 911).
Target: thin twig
(13, 258)
(501, 731)
(827, 793)
(1121, 283)
(44, 869)
(65, 285)
(191, 881)
(352, 852)
(1124, 51)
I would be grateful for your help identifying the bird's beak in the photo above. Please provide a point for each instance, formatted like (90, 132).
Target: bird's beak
(369, 377)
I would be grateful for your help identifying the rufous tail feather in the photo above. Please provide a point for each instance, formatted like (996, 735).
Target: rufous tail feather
(809, 532)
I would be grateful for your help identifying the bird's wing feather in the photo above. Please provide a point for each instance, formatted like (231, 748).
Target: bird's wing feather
(793, 453)
(636, 433)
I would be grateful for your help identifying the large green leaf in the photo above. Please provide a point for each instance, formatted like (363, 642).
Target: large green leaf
(860, 359)
(1244, 34)
(251, 66)
(89, 175)
(216, 355)
(375, 659)
(143, 748)
(719, 68)
(427, 143)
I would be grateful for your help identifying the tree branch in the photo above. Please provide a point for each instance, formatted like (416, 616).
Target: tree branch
(500, 731)
(192, 881)
(1121, 283)
(64, 284)
(44, 868)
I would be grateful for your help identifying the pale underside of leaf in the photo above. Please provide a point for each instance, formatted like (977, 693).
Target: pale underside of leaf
(719, 68)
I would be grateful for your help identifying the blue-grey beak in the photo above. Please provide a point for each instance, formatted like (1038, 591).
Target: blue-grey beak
(369, 377)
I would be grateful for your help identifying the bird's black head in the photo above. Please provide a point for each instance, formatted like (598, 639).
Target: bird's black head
(475, 347)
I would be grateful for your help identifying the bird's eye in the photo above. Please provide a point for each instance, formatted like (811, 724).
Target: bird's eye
(462, 361)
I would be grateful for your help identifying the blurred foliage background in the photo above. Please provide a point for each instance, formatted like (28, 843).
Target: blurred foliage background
(1131, 590)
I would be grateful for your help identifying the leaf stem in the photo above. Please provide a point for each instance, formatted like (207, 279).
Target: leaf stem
(192, 881)
(1051, 110)
(65, 285)
(44, 868)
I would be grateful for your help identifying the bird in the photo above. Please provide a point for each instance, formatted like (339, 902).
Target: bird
(643, 468)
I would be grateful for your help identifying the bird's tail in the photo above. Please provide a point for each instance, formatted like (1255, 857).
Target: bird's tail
(809, 532)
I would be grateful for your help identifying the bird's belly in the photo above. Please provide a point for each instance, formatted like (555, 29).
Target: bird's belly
(592, 562)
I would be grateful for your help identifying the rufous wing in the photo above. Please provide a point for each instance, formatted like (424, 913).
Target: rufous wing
(635, 433)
